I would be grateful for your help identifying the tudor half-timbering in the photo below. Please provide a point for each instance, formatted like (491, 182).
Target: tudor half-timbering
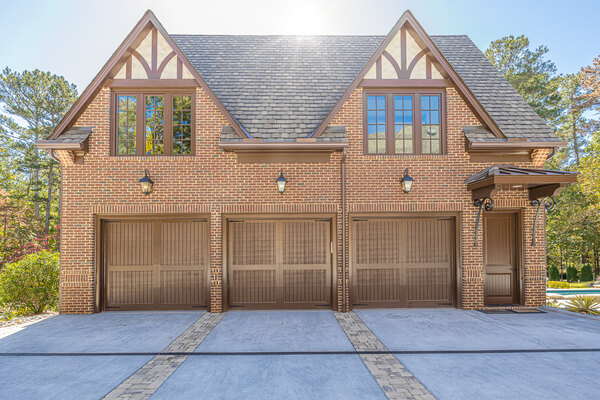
(347, 121)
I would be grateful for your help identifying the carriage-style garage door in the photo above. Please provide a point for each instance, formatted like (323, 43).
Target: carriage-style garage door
(402, 262)
(279, 263)
(156, 264)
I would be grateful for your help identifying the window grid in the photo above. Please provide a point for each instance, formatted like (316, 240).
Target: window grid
(126, 129)
(376, 124)
(155, 124)
(182, 124)
(430, 124)
(403, 124)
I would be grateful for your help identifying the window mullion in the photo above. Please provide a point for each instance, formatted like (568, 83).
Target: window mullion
(417, 144)
(140, 129)
(389, 127)
(168, 125)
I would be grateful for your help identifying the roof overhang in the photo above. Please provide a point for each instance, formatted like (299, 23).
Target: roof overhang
(539, 182)
(512, 150)
(75, 141)
(258, 151)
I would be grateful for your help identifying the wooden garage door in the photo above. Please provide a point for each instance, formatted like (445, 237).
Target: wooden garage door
(279, 264)
(402, 262)
(156, 264)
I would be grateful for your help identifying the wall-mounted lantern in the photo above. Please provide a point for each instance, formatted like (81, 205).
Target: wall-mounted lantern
(146, 183)
(406, 182)
(281, 181)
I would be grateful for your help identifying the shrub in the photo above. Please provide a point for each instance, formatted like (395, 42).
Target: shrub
(584, 305)
(30, 285)
(553, 273)
(558, 285)
(571, 274)
(586, 273)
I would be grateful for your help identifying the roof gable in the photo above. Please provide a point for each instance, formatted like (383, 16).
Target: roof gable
(406, 57)
(146, 43)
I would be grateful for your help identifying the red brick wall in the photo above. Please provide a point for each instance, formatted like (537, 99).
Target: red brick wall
(213, 183)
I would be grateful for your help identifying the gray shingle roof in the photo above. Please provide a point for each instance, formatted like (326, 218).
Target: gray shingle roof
(512, 170)
(74, 135)
(512, 114)
(283, 87)
(330, 134)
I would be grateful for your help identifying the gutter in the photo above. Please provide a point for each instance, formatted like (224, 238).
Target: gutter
(516, 145)
(278, 146)
(343, 171)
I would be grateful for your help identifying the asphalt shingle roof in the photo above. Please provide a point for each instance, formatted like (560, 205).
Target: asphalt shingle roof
(74, 135)
(283, 87)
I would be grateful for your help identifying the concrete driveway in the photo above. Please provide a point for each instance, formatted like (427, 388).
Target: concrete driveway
(302, 355)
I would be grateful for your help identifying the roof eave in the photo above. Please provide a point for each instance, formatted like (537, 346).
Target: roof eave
(286, 146)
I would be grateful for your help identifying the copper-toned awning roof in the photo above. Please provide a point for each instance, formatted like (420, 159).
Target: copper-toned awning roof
(539, 182)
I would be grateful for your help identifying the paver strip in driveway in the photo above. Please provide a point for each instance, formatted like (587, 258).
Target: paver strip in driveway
(395, 380)
(145, 381)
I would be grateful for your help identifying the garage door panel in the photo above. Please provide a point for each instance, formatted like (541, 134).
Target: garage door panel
(253, 287)
(402, 262)
(130, 287)
(156, 264)
(305, 285)
(378, 285)
(292, 269)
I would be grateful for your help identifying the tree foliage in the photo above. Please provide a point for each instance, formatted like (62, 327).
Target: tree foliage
(31, 105)
(529, 72)
(570, 105)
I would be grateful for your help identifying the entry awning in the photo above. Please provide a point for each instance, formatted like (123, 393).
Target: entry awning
(539, 182)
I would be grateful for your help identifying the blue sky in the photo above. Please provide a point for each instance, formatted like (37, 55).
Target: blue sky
(75, 38)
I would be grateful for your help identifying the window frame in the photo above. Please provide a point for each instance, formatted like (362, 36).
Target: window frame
(140, 138)
(416, 126)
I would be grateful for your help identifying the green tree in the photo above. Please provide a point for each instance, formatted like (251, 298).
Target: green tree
(553, 274)
(532, 75)
(586, 273)
(571, 274)
(31, 105)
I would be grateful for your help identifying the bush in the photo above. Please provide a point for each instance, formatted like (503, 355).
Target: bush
(586, 273)
(571, 274)
(584, 305)
(553, 273)
(30, 285)
(558, 285)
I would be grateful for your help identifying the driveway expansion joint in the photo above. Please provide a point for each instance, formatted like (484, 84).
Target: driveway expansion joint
(145, 381)
(394, 379)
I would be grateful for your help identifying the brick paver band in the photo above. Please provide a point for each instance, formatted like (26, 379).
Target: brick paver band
(146, 380)
(393, 378)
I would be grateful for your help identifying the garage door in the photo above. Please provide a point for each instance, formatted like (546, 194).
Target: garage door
(156, 264)
(279, 264)
(402, 262)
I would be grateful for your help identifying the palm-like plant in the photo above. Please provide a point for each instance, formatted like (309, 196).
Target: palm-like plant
(584, 304)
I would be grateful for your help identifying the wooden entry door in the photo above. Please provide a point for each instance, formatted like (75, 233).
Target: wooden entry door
(155, 264)
(279, 264)
(500, 257)
(402, 262)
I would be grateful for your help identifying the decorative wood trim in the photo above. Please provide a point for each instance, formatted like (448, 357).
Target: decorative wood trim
(378, 68)
(414, 62)
(144, 64)
(291, 146)
(546, 190)
(392, 61)
(119, 58)
(151, 83)
(128, 68)
(163, 64)
(405, 83)
(408, 18)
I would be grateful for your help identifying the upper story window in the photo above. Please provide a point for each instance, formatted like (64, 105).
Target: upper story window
(154, 124)
(404, 123)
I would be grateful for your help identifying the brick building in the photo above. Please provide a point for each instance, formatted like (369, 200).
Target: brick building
(346, 123)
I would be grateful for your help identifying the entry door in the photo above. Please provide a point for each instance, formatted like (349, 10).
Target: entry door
(279, 264)
(156, 264)
(501, 268)
(402, 262)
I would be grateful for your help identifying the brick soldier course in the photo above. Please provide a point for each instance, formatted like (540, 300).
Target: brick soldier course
(213, 183)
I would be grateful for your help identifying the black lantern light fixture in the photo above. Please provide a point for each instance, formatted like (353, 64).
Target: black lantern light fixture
(406, 181)
(146, 183)
(281, 181)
